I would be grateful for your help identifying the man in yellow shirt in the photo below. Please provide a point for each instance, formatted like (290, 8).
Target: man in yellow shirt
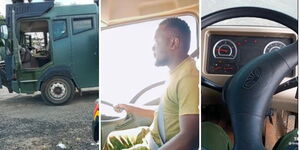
(179, 103)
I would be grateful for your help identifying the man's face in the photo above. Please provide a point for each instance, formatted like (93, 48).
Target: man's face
(161, 47)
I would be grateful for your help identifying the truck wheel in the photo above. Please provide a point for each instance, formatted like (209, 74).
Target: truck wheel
(57, 90)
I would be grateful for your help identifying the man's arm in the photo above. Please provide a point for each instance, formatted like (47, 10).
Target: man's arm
(144, 112)
(188, 137)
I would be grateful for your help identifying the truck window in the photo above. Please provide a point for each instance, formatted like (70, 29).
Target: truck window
(128, 64)
(82, 24)
(59, 28)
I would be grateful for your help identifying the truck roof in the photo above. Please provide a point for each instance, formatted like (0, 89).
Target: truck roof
(47, 9)
(67, 10)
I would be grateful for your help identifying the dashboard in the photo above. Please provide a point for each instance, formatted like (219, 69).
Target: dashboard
(226, 49)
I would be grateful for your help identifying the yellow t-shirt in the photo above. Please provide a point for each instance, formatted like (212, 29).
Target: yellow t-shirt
(181, 97)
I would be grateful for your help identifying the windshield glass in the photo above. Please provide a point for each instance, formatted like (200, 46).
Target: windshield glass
(127, 61)
(288, 7)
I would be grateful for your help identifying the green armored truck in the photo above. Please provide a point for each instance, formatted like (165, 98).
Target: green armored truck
(50, 48)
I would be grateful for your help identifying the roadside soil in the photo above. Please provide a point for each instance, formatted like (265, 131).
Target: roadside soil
(26, 122)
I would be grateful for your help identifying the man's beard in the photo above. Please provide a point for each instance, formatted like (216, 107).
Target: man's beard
(161, 62)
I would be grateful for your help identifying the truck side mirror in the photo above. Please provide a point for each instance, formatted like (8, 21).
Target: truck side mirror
(1, 44)
(3, 32)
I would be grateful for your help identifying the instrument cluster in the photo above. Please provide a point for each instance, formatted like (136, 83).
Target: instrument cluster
(228, 53)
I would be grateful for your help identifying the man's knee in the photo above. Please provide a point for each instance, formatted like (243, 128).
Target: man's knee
(126, 138)
(129, 132)
(114, 134)
(117, 140)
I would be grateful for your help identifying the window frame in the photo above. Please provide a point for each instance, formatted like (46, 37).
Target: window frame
(192, 14)
(193, 53)
(62, 37)
(83, 18)
(19, 24)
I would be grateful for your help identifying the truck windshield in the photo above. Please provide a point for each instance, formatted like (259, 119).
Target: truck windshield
(287, 7)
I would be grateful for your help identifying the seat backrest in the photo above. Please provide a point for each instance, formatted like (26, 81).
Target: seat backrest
(288, 141)
(25, 55)
(213, 137)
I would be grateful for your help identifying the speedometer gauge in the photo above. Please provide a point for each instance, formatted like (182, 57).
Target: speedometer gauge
(273, 46)
(224, 49)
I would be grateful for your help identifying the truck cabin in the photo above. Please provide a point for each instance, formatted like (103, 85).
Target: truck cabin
(29, 32)
(49, 42)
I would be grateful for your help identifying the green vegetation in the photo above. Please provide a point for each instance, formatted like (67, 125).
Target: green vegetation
(1, 16)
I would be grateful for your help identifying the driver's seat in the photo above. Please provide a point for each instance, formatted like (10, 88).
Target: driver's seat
(288, 141)
(27, 60)
(213, 137)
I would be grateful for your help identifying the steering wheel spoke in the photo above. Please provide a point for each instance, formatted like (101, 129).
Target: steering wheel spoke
(109, 115)
(210, 84)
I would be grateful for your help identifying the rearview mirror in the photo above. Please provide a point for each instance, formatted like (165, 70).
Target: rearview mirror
(3, 32)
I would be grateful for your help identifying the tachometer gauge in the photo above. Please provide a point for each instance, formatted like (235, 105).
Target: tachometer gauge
(224, 49)
(273, 46)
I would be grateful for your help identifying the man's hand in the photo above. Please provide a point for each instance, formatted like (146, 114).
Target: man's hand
(188, 137)
(120, 107)
(129, 108)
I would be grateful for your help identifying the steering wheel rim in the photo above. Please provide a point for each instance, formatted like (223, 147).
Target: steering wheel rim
(257, 12)
(121, 117)
(239, 93)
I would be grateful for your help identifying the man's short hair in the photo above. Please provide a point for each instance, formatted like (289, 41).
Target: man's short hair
(182, 28)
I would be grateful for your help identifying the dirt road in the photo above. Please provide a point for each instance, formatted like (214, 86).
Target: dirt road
(27, 123)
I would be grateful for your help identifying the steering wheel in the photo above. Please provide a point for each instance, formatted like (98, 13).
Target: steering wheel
(43, 53)
(249, 92)
(109, 115)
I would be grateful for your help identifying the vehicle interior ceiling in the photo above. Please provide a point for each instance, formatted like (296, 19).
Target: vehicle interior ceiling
(34, 40)
(123, 12)
(282, 116)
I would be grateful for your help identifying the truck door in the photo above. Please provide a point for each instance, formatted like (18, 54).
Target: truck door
(34, 53)
(84, 43)
(6, 59)
(61, 42)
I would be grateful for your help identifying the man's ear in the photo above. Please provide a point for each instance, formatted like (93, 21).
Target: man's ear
(174, 43)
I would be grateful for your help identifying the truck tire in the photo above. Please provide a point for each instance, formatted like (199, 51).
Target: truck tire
(57, 90)
(95, 128)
